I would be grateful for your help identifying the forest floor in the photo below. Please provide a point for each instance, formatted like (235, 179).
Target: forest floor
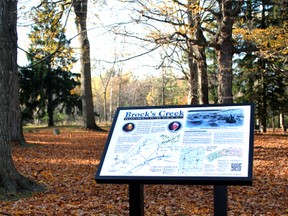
(67, 163)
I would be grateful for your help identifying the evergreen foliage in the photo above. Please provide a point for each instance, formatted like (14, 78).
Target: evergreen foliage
(261, 75)
(48, 84)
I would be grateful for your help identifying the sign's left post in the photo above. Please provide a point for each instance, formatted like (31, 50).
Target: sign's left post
(136, 199)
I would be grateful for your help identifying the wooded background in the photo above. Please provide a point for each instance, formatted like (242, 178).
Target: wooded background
(207, 52)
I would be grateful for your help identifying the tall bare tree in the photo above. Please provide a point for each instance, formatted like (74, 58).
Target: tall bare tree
(80, 8)
(10, 179)
(225, 16)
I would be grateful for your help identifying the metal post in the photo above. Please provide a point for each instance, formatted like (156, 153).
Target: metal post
(136, 200)
(220, 200)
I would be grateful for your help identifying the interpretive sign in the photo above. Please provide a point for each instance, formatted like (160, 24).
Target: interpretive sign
(205, 144)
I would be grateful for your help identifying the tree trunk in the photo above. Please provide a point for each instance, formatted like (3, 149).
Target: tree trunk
(16, 117)
(264, 105)
(50, 109)
(50, 106)
(224, 48)
(282, 120)
(273, 122)
(16, 129)
(224, 60)
(111, 101)
(10, 179)
(105, 105)
(119, 101)
(225, 75)
(200, 56)
(80, 8)
(163, 85)
(193, 90)
(193, 81)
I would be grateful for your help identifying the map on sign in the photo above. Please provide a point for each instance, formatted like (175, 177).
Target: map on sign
(182, 141)
(149, 151)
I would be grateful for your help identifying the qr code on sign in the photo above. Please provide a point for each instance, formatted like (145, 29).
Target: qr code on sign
(236, 166)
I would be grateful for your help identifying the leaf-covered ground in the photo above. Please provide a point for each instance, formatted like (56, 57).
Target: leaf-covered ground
(67, 164)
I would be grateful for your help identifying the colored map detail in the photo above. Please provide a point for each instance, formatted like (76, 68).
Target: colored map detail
(231, 151)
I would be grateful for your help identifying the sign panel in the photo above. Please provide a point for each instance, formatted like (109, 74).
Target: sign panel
(210, 144)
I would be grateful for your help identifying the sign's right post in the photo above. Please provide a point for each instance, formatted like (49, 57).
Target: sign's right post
(220, 200)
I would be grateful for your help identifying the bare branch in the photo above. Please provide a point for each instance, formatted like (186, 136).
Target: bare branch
(133, 57)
